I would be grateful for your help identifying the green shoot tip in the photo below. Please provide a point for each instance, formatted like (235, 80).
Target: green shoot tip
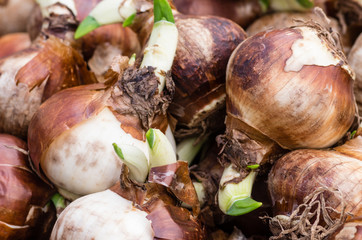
(243, 206)
(86, 26)
(162, 11)
(58, 200)
(353, 134)
(129, 20)
(306, 3)
(150, 136)
(253, 167)
(118, 150)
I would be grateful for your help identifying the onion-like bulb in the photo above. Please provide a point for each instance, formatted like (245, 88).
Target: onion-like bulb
(288, 88)
(292, 86)
(71, 135)
(26, 210)
(328, 180)
(103, 215)
(136, 211)
(105, 43)
(30, 76)
(199, 100)
(99, 47)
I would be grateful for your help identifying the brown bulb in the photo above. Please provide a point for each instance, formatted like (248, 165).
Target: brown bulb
(205, 44)
(292, 86)
(325, 181)
(26, 210)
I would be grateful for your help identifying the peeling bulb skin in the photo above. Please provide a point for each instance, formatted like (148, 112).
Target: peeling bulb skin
(24, 199)
(304, 49)
(292, 122)
(329, 179)
(204, 46)
(29, 77)
(298, 173)
(351, 230)
(12, 94)
(83, 151)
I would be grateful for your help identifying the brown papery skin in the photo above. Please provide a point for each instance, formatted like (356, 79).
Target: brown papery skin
(309, 116)
(299, 173)
(243, 12)
(13, 42)
(114, 34)
(62, 66)
(204, 47)
(351, 230)
(50, 66)
(72, 106)
(61, 112)
(22, 192)
(168, 185)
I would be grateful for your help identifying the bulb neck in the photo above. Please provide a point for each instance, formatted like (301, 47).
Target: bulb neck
(245, 146)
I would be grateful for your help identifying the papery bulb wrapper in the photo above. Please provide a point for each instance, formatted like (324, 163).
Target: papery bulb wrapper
(295, 97)
(31, 76)
(86, 123)
(204, 46)
(25, 212)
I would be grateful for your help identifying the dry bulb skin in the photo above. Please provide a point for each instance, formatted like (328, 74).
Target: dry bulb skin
(288, 88)
(132, 210)
(30, 76)
(315, 191)
(13, 42)
(26, 212)
(71, 135)
(351, 230)
(355, 61)
(102, 45)
(199, 101)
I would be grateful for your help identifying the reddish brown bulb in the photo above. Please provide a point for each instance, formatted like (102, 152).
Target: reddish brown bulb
(26, 212)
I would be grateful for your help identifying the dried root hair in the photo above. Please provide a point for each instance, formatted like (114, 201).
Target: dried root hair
(310, 220)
